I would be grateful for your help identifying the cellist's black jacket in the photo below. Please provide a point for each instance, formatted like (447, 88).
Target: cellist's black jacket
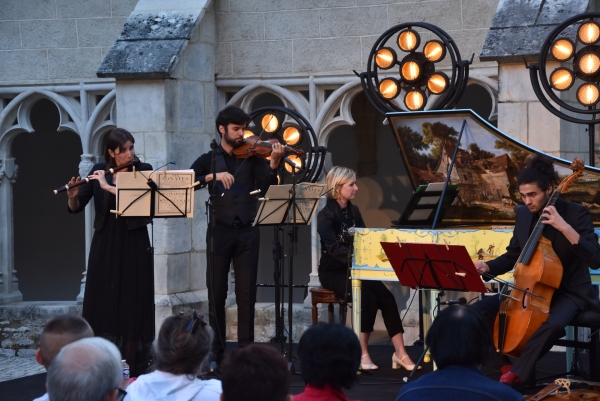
(576, 259)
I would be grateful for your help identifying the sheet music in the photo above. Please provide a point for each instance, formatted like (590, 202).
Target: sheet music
(172, 185)
(307, 195)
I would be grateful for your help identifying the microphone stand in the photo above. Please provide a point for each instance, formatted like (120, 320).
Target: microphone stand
(210, 205)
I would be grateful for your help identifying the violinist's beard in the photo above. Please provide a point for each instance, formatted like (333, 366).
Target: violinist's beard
(233, 143)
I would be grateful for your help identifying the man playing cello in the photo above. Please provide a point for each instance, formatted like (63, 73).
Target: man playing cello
(568, 226)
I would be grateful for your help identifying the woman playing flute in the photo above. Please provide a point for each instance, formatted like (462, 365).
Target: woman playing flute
(119, 293)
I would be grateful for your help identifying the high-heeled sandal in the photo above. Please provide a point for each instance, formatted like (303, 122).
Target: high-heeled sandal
(397, 363)
(367, 366)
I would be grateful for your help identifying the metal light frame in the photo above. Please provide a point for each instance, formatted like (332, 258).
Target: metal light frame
(371, 79)
(314, 157)
(538, 76)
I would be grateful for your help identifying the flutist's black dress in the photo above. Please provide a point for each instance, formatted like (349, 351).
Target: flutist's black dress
(119, 291)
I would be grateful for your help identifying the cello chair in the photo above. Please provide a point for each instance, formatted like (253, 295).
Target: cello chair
(591, 320)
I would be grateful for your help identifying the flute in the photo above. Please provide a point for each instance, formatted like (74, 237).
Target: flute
(85, 180)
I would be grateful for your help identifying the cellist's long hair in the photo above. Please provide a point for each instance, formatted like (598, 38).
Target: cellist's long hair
(540, 171)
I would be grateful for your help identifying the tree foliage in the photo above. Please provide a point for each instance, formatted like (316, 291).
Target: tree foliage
(438, 135)
(413, 143)
(478, 154)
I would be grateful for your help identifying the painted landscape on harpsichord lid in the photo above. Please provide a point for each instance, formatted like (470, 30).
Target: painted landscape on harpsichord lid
(486, 166)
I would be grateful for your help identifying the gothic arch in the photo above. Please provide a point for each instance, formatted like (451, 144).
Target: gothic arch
(16, 117)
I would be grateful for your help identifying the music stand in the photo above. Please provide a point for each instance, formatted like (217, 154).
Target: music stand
(433, 266)
(138, 195)
(293, 204)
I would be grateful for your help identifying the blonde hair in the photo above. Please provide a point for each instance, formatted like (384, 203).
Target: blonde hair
(337, 177)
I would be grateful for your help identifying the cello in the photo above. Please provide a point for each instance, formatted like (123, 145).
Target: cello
(537, 273)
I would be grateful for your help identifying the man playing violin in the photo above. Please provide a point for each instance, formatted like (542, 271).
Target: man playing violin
(569, 227)
(234, 239)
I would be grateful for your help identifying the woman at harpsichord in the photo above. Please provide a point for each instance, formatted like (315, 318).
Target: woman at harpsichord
(333, 222)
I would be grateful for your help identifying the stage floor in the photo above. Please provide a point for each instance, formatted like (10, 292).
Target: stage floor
(382, 384)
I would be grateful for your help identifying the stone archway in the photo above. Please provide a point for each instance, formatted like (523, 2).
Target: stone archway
(83, 110)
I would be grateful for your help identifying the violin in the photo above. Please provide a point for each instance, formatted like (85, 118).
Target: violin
(253, 146)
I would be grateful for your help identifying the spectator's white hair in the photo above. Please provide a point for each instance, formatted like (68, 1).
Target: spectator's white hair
(87, 369)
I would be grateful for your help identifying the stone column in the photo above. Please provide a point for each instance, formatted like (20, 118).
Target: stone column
(86, 164)
(166, 97)
(9, 285)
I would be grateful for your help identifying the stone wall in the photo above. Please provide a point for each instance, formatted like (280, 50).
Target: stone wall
(44, 41)
(314, 36)
(21, 324)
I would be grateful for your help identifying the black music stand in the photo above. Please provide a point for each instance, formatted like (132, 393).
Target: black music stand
(143, 197)
(433, 266)
(290, 204)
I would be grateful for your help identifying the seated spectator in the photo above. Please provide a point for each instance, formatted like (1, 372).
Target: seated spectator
(57, 333)
(181, 347)
(329, 358)
(255, 372)
(458, 341)
(88, 369)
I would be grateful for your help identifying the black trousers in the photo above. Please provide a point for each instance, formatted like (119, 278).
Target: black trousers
(374, 295)
(240, 246)
(562, 312)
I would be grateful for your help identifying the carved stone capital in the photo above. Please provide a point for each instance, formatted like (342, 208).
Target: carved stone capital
(86, 164)
(8, 168)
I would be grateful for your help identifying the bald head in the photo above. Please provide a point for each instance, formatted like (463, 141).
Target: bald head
(60, 331)
(87, 369)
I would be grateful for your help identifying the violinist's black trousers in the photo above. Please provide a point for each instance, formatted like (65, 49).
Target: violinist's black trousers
(562, 311)
(238, 245)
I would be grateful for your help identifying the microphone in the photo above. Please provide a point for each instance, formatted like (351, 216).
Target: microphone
(459, 301)
(293, 165)
(213, 144)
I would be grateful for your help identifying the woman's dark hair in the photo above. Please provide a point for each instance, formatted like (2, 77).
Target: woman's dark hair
(540, 171)
(459, 336)
(255, 372)
(116, 138)
(232, 115)
(182, 344)
(329, 354)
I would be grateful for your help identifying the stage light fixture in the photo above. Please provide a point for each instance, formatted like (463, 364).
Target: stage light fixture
(291, 136)
(248, 133)
(437, 83)
(411, 68)
(414, 100)
(562, 79)
(434, 51)
(270, 123)
(389, 88)
(589, 63)
(385, 58)
(588, 33)
(408, 40)
(587, 94)
(563, 49)
(410, 71)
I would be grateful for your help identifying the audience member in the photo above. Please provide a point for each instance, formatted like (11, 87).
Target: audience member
(181, 347)
(329, 358)
(88, 369)
(255, 372)
(458, 341)
(57, 333)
